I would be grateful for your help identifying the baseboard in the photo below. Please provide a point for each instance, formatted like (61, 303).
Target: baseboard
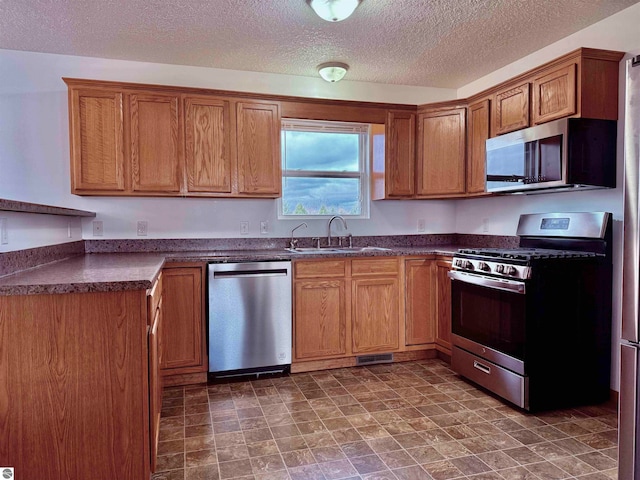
(184, 379)
(317, 365)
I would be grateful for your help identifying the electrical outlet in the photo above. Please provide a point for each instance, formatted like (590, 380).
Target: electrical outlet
(69, 234)
(142, 227)
(485, 225)
(4, 233)
(264, 227)
(422, 225)
(97, 228)
(244, 228)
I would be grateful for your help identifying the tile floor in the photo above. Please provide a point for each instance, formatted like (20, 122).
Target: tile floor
(415, 420)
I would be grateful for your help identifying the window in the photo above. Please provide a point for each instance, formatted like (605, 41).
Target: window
(324, 169)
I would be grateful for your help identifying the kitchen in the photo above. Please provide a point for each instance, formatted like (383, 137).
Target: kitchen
(36, 154)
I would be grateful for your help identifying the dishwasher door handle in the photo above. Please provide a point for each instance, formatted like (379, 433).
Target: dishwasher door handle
(250, 273)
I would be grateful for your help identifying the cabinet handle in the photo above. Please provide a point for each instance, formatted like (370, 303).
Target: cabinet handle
(482, 368)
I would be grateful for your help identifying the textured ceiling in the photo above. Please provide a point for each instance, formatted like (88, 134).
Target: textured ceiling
(436, 43)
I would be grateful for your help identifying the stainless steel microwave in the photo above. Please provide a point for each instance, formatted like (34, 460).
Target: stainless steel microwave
(563, 154)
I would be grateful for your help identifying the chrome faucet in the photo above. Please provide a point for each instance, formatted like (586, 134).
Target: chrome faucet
(344, 225)
(294, 243)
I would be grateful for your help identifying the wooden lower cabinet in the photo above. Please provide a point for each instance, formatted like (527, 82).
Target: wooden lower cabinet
(443, 306)
(155, 387)
(184, 347)
(321, 319)
(375, 314)
(346, 307)
(74, 385)
(420, 301)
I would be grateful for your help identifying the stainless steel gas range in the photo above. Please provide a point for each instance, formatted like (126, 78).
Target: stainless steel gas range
(533, 324)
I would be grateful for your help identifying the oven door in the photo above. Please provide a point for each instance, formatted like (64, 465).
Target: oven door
(488, 318)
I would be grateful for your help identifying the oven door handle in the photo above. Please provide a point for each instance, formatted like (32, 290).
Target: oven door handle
(498, 284)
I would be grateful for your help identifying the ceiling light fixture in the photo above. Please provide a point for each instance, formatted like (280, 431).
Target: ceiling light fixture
(333, 10)
(333, 71)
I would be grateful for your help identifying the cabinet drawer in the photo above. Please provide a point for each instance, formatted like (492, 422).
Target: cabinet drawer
(154, 297)
(321, 268)
(374, 266)
(499, 380)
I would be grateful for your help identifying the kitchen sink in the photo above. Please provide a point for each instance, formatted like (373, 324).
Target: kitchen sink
(336, 249)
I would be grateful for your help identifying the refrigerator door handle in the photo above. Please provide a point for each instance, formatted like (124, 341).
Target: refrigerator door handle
(628, 414)
(631, 253)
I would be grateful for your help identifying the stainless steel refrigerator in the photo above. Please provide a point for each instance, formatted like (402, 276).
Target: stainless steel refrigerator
(629, 406)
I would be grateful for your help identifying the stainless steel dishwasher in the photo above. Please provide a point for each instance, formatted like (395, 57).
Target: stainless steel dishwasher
(249, 317)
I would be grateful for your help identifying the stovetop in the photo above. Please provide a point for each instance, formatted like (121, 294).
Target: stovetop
(525, 254)
(515, 263)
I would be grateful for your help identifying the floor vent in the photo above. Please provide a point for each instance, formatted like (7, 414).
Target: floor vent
(371, 359)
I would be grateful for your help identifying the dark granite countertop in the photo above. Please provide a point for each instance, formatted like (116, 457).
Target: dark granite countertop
(87, 273)
(283, 254)
(104, 272)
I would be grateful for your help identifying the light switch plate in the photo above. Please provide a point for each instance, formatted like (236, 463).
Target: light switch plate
(244, 228)
(264, 227)
(422, 224)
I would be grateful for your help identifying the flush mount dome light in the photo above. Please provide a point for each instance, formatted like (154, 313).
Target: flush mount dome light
(333, 10)
(333, 71)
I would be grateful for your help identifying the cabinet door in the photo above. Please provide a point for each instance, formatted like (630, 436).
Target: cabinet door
(320, 318)
(207, 145)
(554, 94)
(441, 152)
(477, 135)
(155, 384)
(155, 143)
(97, 141)
(258, 145)
(400, 133)
(375, 314)
(511, 109)
(183, 341)
(420, 296)
(443, 316)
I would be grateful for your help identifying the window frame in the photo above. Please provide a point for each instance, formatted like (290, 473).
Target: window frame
(329, 126)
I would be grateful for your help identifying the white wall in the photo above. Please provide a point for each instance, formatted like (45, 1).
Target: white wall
(34, 152)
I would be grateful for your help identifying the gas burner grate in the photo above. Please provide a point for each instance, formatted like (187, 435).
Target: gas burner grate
(524, 253)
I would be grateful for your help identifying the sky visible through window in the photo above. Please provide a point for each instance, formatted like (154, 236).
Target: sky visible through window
(315, 165)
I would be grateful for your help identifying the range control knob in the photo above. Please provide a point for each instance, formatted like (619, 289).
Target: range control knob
(512, 271)
(499, 268)
(484, 267)
(468, 265)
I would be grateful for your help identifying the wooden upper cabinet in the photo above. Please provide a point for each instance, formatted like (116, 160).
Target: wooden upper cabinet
(399, 155)
(441, 152)
(477, 134)
(97, 140)
(554, 94)
(258, 146)
(511, 109)
(208, 144)
(155, 142)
